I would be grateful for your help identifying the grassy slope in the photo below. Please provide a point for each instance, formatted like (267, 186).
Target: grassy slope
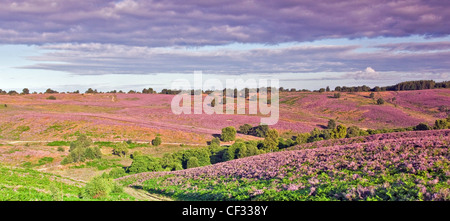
(142, 117)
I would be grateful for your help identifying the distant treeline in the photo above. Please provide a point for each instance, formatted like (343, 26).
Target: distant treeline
(403, 86)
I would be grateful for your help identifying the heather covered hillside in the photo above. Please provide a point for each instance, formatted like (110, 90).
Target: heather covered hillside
(398, 166)
(143, 116)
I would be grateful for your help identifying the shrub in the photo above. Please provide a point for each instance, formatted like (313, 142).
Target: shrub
(440, 124)
(100, 187)
(120, 150)
(340, 131)
(331, 124)
(422, 126)
(337, 95)
(380, 101)
(228, 134)
(353, 131)
(302, 138)
(192, 162)
(61, 149)
(372, 95)
(157, 141)
(116, 173)
(51, 97)
(80, 150)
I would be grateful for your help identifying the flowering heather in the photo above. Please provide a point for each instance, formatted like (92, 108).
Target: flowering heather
(404, 168)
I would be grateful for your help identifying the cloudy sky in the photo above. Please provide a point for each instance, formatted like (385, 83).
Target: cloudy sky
(131, 44)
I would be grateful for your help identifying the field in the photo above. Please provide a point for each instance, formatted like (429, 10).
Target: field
(36, 134)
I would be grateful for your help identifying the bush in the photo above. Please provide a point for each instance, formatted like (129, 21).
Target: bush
(157, 141)
(380, 101)
(228, 134)
(116, 173)
(340, 132)
(440, 124)
(100, 187)
(80, 150)
(61, 149)
(331, 124)
(271, 140)
(302, 138)
(422, 126)
(120, 150)
(51, 97)
(353, 131)
(192, 162)
(144, 163)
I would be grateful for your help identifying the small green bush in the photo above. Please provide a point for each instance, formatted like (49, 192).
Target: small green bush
(100, 187)
(157, 141)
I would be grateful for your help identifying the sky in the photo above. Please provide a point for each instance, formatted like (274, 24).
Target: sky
(125, 45)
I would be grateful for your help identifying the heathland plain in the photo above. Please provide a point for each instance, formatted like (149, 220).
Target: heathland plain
(389, 157)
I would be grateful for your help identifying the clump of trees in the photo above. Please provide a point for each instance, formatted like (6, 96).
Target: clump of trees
(82, 150)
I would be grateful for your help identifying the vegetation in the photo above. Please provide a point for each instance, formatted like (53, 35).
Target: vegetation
(157, 141)
(81, 150)
(228, 134)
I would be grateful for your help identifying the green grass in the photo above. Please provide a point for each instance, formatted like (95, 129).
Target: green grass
(58, 143)
(22, 184)
(100, 164)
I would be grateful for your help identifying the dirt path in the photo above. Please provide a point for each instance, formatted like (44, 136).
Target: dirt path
(143, 195)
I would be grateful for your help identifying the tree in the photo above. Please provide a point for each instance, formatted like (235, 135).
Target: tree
(25, 91)
(440, 124)
(261, 130)
(380, 101)
(228, 134)
(215, 141)
(120, 150)
(328, 89)
(157, 141)
(422, 126)
(50, 91)
(271, 140)
(245, 129)
(340, 131)
(331, 124)
(372, 95)
(302, 138)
